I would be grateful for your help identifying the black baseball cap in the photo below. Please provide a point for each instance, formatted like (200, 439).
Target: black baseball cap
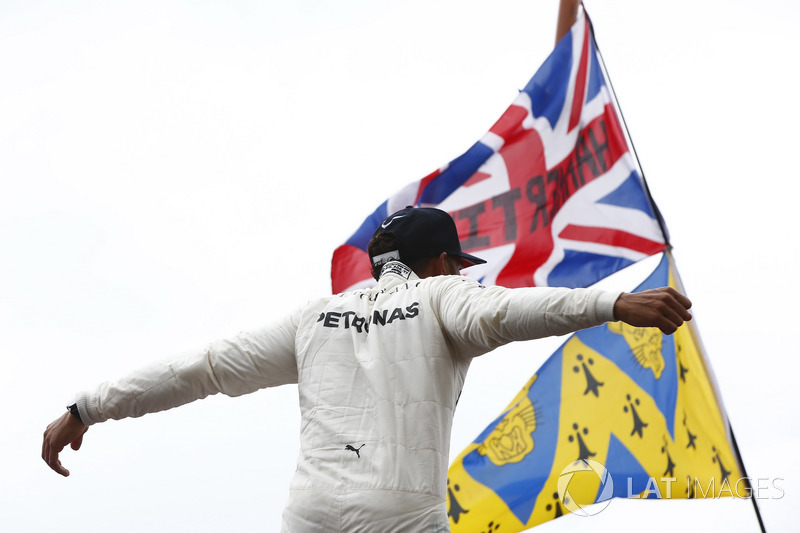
(422, 232)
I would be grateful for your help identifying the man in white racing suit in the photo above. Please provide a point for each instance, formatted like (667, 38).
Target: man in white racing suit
(379, 373)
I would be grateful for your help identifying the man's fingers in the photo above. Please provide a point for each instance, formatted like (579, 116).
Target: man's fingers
(663, 308)
(59, 469)
(44, 447)
(681, 304)
(666, 321)
(675, 315)
(50, 456)
(669, 327)
(685, 302)
(65, 430)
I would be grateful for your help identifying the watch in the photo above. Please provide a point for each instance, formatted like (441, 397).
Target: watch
(73, 409)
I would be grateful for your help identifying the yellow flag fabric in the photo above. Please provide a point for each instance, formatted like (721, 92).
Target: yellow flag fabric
(616, 411)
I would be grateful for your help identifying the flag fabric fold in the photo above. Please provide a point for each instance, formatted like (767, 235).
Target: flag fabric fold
(550, 195)
(616, 411)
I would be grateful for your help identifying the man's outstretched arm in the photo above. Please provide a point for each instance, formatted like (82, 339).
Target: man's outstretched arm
(65, 430)
(252, 360)
(663, 308)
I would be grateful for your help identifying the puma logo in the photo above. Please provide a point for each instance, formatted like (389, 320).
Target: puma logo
(357, 450)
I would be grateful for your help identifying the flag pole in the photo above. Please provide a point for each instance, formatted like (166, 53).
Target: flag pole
(567, 15)
(746, 477)
(665, 233)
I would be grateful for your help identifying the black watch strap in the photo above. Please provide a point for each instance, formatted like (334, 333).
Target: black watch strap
(74, 410)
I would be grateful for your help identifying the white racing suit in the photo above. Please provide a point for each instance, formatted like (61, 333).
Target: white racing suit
(379, 373)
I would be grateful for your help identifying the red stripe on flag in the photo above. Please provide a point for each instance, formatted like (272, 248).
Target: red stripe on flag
(612, 237)
(476, 178)
(424, 182)
(580, 82)
(350, 265)
(510, 123)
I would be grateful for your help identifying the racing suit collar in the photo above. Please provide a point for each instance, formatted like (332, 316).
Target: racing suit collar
(395, 270)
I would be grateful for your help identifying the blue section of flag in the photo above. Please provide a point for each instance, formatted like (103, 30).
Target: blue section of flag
(629, 476)
(360, 239)
(596, 80)
(630, 194)
(548, 87)
(581, 269)
(519, 484)
(457, 173)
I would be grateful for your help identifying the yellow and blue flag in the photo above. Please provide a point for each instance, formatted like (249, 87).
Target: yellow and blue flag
(616, 411)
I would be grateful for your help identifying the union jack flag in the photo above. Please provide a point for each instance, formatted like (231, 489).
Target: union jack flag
(549, 196)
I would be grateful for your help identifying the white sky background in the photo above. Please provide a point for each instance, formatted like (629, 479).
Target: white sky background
(173, 172)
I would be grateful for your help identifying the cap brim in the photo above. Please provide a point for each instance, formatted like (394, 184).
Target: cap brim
(468, 260)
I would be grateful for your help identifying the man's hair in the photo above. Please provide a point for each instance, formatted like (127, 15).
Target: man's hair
(385, 242)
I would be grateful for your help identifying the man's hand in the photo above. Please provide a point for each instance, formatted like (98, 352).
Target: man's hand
(663, 308)
(65, 430)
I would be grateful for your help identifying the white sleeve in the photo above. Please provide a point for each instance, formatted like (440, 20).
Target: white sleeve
(478, 319)
(248, 362)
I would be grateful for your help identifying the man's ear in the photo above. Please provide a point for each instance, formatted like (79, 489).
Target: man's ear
(441, 265)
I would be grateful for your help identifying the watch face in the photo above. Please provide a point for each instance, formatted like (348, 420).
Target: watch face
(73, 409)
